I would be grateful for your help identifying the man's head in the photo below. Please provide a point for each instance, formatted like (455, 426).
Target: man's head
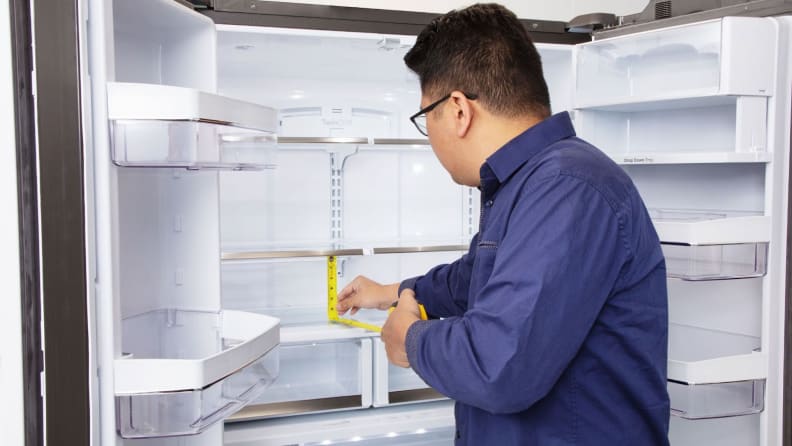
(483, 58)
(481, 50)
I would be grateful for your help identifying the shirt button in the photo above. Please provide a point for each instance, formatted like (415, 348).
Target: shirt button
(488, 203)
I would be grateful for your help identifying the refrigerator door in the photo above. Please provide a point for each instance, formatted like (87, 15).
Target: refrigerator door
(172, 363)
(695, 115)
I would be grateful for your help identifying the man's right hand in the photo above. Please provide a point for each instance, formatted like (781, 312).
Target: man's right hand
(363, 292)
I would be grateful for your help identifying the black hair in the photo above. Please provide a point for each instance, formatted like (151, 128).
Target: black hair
(482, 50)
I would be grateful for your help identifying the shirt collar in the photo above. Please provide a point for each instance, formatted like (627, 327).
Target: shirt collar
(506, 160)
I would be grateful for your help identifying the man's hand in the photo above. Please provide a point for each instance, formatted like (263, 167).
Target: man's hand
(363, 292)
(394, 332)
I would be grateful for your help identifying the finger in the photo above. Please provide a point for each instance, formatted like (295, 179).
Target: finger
(407, 295)
(407, 302)
(350, 303)
(348, 290)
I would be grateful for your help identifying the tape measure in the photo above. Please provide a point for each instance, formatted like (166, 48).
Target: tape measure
(332, 299)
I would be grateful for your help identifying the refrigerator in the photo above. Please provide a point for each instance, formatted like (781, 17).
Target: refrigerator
(241, 175)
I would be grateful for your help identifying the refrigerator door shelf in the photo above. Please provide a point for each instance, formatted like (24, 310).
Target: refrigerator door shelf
(655, 158)
(164, 353)
(184, 370)
(713, 373)
(322, 368)
(715, 262)
(721, 400)
(166, 126)
(705, 129)
(396, 385)
(166, 414)
(152, 102)
(691, 228)
(190, 145)
(716, 57)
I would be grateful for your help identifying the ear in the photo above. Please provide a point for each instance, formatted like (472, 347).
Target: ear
(463, 112)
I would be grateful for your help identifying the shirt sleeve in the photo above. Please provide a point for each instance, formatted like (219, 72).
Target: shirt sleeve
(557, 263)
(443, 290)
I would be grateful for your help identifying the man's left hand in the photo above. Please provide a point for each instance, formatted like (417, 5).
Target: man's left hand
(394, 332)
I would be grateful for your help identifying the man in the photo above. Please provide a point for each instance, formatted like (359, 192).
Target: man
(554, 324)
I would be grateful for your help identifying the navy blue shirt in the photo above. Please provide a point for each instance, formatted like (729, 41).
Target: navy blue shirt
(555, 323)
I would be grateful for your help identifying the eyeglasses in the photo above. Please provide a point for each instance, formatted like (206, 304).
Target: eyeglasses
(419, 119)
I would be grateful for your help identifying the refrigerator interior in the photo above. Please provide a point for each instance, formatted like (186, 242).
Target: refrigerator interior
(387, 193)
(245, 229)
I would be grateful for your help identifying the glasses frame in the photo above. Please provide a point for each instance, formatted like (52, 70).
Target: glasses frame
(432, 106)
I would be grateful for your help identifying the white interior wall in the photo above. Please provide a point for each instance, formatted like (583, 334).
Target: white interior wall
(562, 10)
(11, 414)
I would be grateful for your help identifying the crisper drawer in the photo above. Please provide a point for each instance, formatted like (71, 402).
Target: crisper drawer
(183, 371)
(714, 374)
(729, 56)
(395, 385)
(322, 368)
(425, 424)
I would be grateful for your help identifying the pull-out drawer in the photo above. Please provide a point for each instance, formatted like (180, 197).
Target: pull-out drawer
(322, 368)
(394, 385)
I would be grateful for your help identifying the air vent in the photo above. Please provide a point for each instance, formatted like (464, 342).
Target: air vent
(663, 10)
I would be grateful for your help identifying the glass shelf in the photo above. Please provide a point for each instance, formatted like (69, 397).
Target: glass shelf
(349, 248)
(183, 371)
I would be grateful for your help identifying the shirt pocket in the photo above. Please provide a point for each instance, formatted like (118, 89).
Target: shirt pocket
(486, 252)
